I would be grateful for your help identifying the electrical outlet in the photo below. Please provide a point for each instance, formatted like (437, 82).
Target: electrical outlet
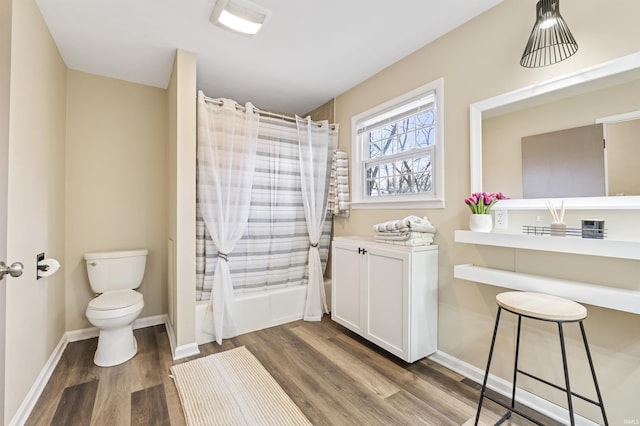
(501, 219)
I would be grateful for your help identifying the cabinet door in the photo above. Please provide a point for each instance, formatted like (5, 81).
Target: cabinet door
(387, 299)
(346, 290)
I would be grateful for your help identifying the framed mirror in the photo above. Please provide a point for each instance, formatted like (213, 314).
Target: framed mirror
(593, 82)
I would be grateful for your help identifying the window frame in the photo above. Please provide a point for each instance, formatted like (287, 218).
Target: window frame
(358, 160)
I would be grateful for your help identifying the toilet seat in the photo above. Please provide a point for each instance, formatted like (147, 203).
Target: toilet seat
(114, 304)
(115, 300)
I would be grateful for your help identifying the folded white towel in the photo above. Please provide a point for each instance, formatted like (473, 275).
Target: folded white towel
(414, 223)
(403, 236)
(416, 242)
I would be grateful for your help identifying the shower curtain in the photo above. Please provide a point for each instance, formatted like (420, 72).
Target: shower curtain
(315, 141)
(273, 251)
(226, 161)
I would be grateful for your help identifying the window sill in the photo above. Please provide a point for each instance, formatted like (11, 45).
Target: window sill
(397, 204)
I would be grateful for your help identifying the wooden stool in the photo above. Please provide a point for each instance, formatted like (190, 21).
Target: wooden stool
(541, 307)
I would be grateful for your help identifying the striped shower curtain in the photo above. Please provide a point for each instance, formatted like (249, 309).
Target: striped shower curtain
(273, 251)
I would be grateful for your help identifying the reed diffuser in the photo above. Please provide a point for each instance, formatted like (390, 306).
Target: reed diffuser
(558, 228)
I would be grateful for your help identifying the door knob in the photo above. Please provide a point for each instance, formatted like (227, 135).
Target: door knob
(15, 270)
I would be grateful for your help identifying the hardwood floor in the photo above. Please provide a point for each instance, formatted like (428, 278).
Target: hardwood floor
(334, 376)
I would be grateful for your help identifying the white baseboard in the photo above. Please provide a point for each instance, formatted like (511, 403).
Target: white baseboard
(91, 332)
(150, 321)
(187, 350)
(182, 351)
(171, 334)
(503, 387)
(82, 334)
(45, 374)
(23, 412)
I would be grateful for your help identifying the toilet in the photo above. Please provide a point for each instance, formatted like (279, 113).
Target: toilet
(114, 276)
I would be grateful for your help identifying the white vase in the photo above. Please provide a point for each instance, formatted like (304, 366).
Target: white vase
(480, 222)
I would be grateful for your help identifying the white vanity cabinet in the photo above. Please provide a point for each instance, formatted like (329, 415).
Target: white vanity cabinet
(387, 294)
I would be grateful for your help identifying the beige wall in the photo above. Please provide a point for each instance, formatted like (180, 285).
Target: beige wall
(181, 202)
(325, 111)
(36, 197)
(481, 60)
(116, 184)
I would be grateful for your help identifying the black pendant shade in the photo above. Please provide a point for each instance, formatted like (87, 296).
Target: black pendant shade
(550, 40)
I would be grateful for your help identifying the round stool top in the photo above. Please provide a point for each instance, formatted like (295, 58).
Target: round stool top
(541, 306)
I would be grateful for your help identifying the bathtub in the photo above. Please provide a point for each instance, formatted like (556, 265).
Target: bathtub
(264, 309)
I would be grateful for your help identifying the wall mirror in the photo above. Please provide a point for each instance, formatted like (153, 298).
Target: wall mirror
(607, 93)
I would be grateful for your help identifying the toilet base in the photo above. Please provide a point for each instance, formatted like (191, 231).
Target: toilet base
(115, 346)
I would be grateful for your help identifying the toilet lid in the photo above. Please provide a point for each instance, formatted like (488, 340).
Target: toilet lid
(115, 300)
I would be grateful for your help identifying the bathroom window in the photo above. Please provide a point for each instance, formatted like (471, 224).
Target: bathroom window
(398, 152)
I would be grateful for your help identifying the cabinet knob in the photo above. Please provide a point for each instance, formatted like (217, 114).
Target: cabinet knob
(361, 250)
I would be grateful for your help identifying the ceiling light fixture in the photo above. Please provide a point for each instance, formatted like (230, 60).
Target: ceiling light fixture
(241, 16)
(550, 40)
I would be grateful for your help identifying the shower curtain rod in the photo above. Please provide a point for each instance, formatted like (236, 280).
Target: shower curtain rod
(261, 112)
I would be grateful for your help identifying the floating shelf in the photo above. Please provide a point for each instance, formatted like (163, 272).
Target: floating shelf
(596, 295)
(584, 246)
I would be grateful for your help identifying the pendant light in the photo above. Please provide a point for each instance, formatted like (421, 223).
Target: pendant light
(550, 40)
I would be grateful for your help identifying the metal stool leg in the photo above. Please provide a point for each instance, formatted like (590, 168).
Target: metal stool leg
(486, 373)
(515, 366)
(566, 374)
(593, 373)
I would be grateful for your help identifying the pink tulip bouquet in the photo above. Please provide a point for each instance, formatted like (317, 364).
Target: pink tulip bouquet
(481, 202)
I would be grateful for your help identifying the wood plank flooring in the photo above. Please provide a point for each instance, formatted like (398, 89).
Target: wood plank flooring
(333, 375)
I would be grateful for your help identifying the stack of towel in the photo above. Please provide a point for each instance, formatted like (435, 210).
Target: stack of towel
(410, 231)
(338, 203)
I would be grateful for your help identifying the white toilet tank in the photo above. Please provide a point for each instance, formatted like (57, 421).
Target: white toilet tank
(116, 270)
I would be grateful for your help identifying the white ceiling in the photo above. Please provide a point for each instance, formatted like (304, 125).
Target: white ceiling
(308, 52)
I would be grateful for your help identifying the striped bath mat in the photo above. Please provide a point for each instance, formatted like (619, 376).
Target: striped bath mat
(233, 388)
